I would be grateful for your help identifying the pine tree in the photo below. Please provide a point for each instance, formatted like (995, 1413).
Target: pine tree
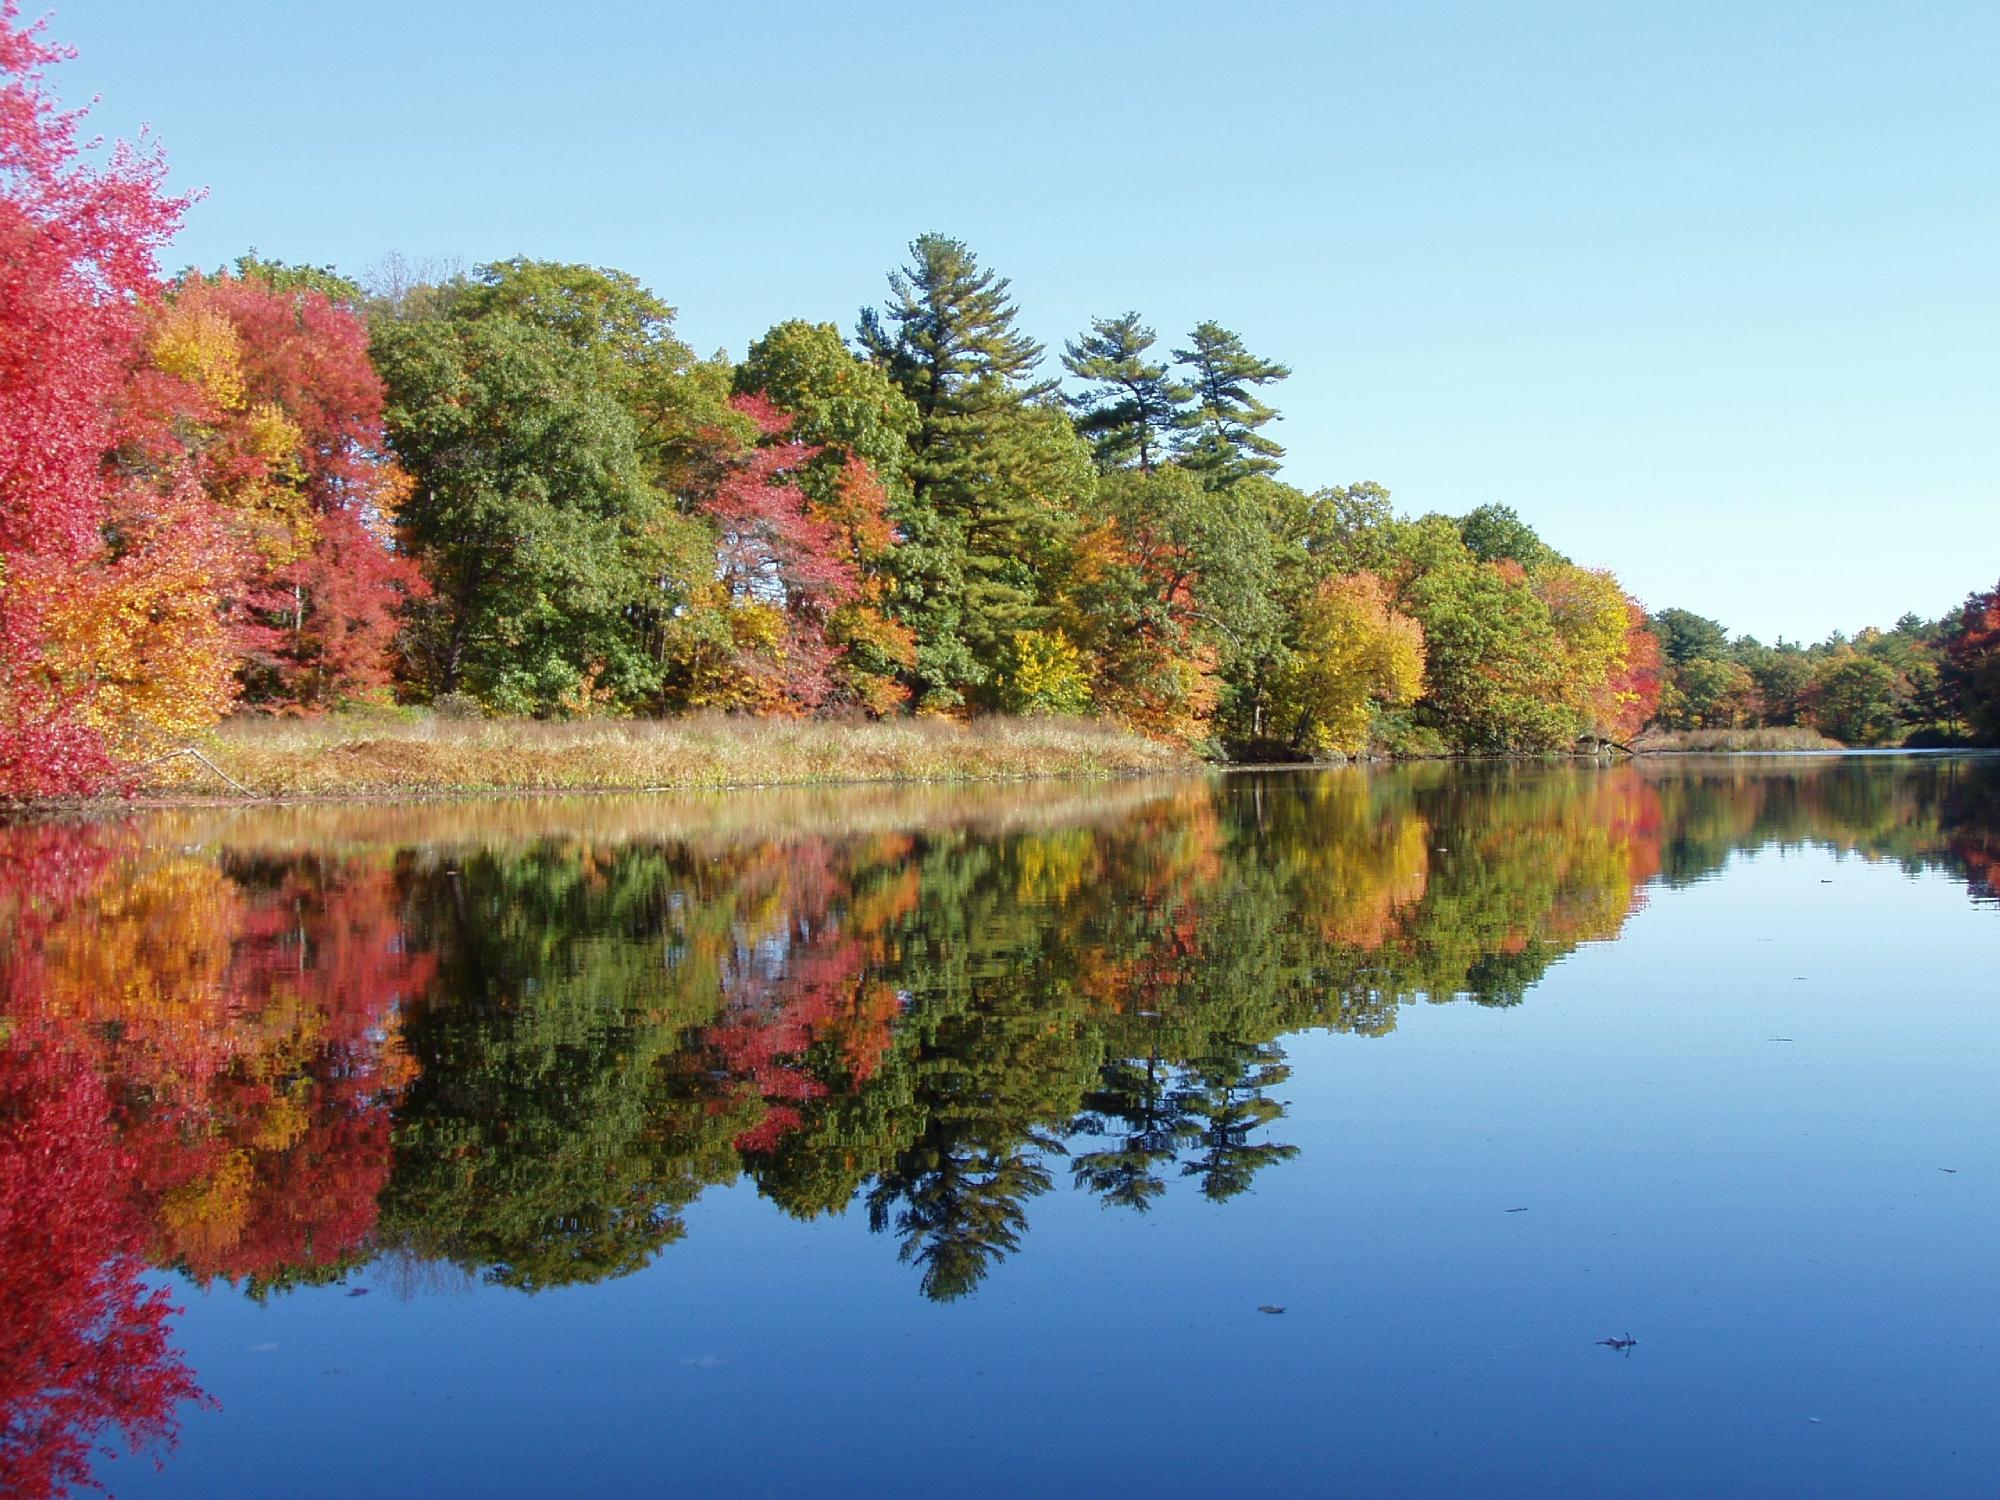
(1134, 405)
(1221, 438)
(994, 469)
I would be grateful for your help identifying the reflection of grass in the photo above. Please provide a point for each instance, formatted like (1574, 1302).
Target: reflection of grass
(702, 817)
(1791, 737)
(372, 755)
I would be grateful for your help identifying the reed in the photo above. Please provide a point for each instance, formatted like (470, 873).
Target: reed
(1682, 741)
(373, 755)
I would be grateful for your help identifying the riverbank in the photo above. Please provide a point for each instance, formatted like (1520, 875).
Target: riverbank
(377, 756)
(408, 755)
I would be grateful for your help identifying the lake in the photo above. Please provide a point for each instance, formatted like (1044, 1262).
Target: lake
(1511, 1130)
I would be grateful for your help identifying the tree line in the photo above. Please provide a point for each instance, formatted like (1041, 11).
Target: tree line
(1921, 682)
(515, 490)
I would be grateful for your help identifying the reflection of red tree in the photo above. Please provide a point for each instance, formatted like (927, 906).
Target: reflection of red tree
(245, 1024)
(197, 1068)
(83, 1348)
(1980, 858)
(798, 980)
(275, 1160)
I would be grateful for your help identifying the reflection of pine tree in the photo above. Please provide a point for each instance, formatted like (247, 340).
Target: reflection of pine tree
(1228, 1096)
(985, 1083)
(961, 1203)
(1135, 1093)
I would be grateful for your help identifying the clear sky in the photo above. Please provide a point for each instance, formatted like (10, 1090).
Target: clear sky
(1709, 292)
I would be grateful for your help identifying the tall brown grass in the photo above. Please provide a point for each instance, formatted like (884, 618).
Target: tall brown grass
(1790, 737)
(377, 755)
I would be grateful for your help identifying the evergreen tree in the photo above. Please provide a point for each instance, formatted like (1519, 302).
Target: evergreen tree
(1138, 1106)
(1221, 438)
(1134, 405)
(953, 333)
(994, 469)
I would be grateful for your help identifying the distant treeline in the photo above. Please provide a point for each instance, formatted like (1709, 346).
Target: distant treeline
(1921, 682)
(514, 490)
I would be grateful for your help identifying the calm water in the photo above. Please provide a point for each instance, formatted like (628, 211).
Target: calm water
(1267, 1134)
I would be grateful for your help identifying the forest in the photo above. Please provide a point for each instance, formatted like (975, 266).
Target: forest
(511, 490)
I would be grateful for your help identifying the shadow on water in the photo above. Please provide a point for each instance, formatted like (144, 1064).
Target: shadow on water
(518, 1040)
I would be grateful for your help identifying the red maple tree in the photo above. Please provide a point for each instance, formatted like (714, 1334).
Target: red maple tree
(78, 246)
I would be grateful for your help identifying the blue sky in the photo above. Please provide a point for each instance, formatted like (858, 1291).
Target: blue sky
(1707, 292)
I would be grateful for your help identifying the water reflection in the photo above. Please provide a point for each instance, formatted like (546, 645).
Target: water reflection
(520, 1039)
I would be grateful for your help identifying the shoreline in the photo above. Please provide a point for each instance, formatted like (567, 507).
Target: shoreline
(370, 759)
(363, 759)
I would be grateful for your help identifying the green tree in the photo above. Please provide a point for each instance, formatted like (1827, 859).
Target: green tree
(1230, 1103)
(1223, 440)
(1783, 674)
(675, 399)
(1495, 660)
(1134, 406)
(949, 331)
(342, 291)
(1853, 698)
(1708, 692)
(1912, 650)
(1189, 568)
(553, 1136)
(1346, 529)
(995, 472)
(1684, 635)
(527, 503)
(845, 406)
(1494, 533)
(1138, 1104)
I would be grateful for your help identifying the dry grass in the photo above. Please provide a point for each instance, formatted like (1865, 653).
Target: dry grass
(373, 756)
(1669, 742)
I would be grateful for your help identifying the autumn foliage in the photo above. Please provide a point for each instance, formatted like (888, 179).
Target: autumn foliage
(78, 241)
(265, 393)
(195, 498)
(1973, 655)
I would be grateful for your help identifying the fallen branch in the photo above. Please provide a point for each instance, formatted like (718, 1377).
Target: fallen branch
(189, 750)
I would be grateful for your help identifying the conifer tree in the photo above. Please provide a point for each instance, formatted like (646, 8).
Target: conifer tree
(1134, 405)
(1222, 440)
(994, 469)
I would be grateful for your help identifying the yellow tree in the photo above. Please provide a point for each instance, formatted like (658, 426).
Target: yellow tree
(1593, 619)
(137, 640)
(1354, 650)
